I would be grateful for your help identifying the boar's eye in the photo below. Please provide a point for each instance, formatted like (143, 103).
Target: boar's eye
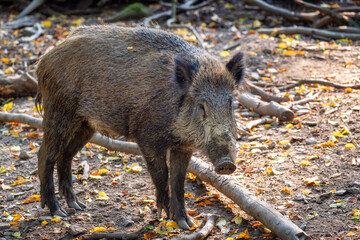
(201, 109)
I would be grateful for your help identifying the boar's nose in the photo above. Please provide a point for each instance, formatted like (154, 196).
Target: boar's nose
(225, 166)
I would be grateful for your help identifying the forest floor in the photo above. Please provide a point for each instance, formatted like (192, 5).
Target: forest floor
(306, 170)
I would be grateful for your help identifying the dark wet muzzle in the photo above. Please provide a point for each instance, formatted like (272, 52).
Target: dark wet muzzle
(225, 166)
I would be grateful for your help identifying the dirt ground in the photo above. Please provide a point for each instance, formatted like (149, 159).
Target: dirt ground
(326, 207)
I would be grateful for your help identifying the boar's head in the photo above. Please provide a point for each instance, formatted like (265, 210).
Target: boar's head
(206, 119)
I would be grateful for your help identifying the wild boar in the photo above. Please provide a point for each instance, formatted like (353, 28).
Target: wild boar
(148, 85)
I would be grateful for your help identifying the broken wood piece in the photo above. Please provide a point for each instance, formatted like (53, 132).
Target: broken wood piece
(119, 236)
(17, 86)
(309, 31)
(265, 108)
(86, 169)
(204, 231)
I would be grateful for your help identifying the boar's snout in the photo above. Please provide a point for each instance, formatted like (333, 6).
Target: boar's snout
(225, 166)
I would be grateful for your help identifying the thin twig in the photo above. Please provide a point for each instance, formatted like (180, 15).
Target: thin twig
(187, 6)
(311, 98)
(265, 120)
(156, 16)
(264, 95)
(309, 31)
(318, 81)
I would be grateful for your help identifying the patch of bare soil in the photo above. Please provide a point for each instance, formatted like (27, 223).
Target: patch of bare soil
(324, 206)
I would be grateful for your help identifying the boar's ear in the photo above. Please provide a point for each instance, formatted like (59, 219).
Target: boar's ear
(236, 67)
(183, 71)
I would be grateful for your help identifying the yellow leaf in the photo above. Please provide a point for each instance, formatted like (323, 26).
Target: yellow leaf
(56, 219)
(289, 53)
(348, 64)
(103, 171)
(244, 234)
(38, 108)
(130, 48)
(289, 126)
(287, 94)
(237, 220)
(9, 70)
(257, 23)
(43, 223)
(283, 142)
(191, 176)
(282, 45)
(182, 32)
(17, 217)
(349, 146)
(5, 60)
(312, 181)
(285, 189)
(348, 90)
(150, 235)
(188, 195)
(46, 24)
(305, 163)
(172, 224)
(8, 106)
(98, 229)
(300, 52)
(224, 54)
(102, 197)
(78, 21)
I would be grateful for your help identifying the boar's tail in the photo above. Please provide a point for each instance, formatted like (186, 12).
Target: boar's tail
(38, 103)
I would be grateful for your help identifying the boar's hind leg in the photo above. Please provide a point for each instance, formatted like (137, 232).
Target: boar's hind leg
(179, 161)
(156, 165)
(76, 141)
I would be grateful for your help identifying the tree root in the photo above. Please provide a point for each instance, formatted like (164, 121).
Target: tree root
(31, 7)
(318, 81)
(231, 188)
(309, 31)
(264, 108)
(204, 231)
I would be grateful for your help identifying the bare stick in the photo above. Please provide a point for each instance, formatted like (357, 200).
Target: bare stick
(86, 169)
(318, 81)
(119, 236)
(309, 31)
(338, 17)
(266, 120)
(39, 31)
(264, 95)
(283, 12)
(169, 24)
(156, 16)
(187, 6)
(31, 7)
(262, 211)
(231, 188)
(204, 231)
(264, 108)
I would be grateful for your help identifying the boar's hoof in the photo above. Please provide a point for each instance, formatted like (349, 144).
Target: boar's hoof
(185, 225)
(77, 205)
(225, 167)
(61, 213)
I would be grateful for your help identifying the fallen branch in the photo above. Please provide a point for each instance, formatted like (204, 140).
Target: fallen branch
(338, 17)
(264, 108)
(21, 22)
(318, 81)
(266, 120)
(309, 31)
(204, 231)
(310, 98)
(262, 211)
(265, 96)
(31, 7)
(147, 20)
(231, 188)
(283, 12)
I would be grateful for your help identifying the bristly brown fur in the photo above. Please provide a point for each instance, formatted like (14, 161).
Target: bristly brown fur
(147, 85)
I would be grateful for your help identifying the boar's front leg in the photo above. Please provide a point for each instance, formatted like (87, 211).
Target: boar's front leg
(179, 161)
(156, 165)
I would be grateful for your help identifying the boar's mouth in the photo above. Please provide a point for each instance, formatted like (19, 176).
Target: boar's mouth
(225, 165)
